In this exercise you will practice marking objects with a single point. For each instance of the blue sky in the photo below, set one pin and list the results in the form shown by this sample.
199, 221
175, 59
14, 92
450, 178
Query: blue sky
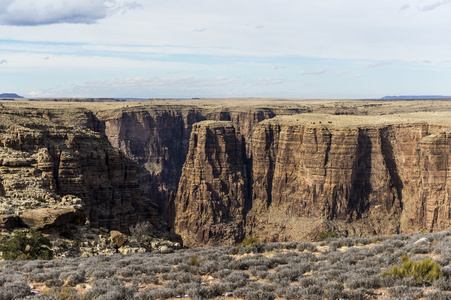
210, 48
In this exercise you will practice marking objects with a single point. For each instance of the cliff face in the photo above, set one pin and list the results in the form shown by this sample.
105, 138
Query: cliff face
213, 187
358, 180
43, 158
157, 140
219, 174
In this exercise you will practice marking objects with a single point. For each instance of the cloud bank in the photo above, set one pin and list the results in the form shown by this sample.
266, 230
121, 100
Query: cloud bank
153, 86
430, 5
45, 12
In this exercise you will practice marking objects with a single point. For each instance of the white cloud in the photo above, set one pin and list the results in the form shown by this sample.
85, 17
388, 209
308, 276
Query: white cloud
44, 12
426, 5
404, 7
3, 61
313, 72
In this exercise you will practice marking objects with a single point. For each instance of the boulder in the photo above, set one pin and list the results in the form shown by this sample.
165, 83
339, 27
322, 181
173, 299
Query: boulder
118, 238
45, 218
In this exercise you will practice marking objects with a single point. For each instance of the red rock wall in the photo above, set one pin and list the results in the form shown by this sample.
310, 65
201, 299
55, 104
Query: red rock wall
213, 188
360, 180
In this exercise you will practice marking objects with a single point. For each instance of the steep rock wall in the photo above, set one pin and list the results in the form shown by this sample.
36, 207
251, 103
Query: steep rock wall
305, 177
47, 155
213, 188
157, 140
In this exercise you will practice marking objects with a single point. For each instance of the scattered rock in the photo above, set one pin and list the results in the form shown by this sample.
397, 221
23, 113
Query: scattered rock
422, 241
118, 238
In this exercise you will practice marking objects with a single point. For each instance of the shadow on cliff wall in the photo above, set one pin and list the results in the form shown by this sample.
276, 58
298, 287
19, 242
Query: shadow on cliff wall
361, 183
395, 180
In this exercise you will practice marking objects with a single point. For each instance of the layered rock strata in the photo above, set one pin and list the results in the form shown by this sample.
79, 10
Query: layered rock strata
46, 155
210, 205
157, 138
307, 176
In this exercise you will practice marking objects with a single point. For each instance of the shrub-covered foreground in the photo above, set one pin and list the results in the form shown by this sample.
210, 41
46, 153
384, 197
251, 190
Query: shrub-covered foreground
346, 268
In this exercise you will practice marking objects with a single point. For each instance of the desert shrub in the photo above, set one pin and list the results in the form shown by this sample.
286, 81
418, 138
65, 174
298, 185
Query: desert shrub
208, 267
393, 243
291, 292
54, 282
425, 270
255, 269
331, 256
181, 277
60, 292
184, 267
146, 294
437, 295
292, 272
113, 293
238, 278
368, 282
249, 245
442, 283
421, 248
306, 247
162, 293
387, 259
313, 290
130, 271
250, 241
112, 288
255, 291
141, 231
145, 279
194, 260
243, 263
14, 290
306, 281
40, 275
222, 274
98, 273
23, 247
220, 288
278, 280
72, 278
159, 268
446, 271
324, 235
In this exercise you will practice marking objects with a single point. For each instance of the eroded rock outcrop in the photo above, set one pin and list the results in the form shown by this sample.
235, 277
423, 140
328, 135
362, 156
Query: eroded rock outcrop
43, 159
213, 188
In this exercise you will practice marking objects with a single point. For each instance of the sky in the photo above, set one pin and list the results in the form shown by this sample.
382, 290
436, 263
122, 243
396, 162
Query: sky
235, 48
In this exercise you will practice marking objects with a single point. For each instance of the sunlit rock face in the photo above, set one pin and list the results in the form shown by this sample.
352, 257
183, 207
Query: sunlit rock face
301, 178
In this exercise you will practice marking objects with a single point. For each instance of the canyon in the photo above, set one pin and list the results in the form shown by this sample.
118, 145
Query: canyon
217, 171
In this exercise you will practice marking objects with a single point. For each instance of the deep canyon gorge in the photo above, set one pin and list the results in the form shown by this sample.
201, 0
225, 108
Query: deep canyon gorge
218, 171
